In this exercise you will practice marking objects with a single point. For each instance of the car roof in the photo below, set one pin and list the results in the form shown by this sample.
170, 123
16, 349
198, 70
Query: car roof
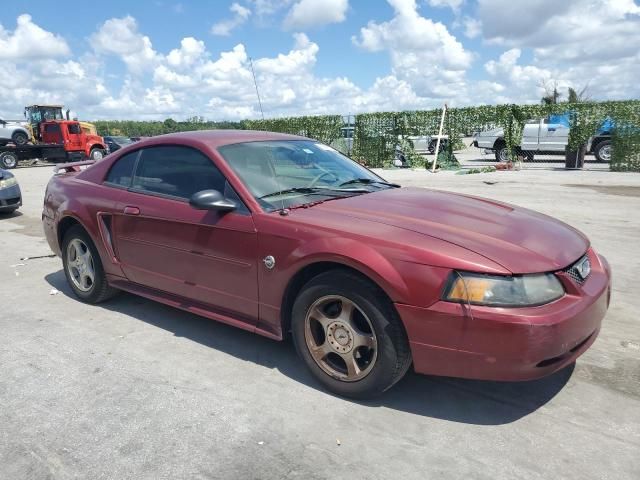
216, 138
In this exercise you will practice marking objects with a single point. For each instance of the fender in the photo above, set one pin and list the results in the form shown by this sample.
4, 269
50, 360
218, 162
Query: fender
349, 252
107, 257
90, 145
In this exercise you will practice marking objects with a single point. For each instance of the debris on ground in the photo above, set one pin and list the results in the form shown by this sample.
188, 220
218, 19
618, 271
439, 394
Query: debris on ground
631, 345
38, 256
338, 441
489, 182
504, 166
477, 170
54, 291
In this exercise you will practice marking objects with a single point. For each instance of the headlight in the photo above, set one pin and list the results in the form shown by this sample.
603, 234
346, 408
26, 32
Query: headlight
8, 182
503, 291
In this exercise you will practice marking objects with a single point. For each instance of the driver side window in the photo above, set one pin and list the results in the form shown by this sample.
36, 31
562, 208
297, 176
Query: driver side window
173, 171
176, 171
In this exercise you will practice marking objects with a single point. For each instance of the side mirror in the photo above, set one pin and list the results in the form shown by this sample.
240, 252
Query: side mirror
211, 200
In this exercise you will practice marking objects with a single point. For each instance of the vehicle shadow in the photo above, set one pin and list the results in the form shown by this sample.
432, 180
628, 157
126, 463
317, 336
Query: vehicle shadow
14, 214
457, 400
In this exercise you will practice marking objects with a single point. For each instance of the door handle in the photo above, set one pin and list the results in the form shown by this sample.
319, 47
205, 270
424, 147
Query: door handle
552, 129
131, 211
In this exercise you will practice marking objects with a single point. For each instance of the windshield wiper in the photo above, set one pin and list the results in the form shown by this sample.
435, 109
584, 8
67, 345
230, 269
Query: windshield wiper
324, 191
368, 181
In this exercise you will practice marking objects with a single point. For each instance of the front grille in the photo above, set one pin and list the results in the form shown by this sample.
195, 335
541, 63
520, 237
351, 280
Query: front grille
574, 270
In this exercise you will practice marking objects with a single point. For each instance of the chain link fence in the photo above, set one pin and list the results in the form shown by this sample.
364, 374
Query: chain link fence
586, 134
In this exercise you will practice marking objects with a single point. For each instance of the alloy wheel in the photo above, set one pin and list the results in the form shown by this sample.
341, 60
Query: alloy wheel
80, 265
340, 338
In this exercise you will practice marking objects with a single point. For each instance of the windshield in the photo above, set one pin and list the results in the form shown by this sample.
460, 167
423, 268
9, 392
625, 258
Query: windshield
122, 140
286, 173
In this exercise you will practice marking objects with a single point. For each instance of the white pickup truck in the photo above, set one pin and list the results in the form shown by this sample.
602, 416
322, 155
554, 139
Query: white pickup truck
548, 135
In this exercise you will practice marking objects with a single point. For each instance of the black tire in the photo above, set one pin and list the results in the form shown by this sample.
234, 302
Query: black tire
501, 152
393, 356
20, 138
432, 146
96, 154
8, 160
602, 151
100, 290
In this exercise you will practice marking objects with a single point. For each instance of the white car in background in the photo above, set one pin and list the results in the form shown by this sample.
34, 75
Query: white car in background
13, 132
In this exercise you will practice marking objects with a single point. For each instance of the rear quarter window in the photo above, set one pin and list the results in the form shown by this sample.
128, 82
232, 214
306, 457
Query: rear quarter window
121, 172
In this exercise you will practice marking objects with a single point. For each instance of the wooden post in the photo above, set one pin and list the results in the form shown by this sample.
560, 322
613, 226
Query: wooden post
437, 152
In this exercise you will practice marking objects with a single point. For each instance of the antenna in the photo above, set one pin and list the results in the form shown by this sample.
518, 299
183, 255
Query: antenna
255, 82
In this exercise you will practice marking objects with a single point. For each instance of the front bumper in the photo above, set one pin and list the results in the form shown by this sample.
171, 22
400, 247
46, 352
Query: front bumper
10, 198
509, 343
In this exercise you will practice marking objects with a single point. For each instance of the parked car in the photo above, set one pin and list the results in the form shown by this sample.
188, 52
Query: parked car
10, 195
115, 143
548, 135
280, 234
13, 132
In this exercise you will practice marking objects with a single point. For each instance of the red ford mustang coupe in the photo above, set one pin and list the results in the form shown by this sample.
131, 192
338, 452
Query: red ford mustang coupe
280, 234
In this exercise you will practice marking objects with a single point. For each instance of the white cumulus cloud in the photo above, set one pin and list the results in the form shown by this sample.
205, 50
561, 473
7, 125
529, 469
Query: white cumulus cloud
120, 37
315, 13
225, 27
30, 41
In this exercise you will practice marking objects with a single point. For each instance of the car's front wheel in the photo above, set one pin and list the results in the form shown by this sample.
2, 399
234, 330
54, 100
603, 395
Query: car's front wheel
349, 335
96, 154
83, 268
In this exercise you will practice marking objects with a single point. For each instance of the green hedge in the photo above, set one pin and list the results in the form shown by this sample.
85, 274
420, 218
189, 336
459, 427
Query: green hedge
131, 128
377, 135
324, 128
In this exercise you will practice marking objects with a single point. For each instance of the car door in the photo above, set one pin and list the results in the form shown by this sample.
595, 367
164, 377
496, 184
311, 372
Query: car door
554, 134
530, 135
74, 135
163, 243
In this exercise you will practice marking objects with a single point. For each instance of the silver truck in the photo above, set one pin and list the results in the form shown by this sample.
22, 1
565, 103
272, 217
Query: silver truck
547, 136
13, 132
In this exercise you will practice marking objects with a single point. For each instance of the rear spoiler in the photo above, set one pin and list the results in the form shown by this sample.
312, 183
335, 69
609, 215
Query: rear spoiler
71, 167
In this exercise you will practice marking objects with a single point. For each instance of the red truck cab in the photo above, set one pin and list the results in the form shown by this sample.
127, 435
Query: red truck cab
69, 134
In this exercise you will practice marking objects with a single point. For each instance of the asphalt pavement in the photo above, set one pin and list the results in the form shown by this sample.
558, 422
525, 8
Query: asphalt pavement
135, 389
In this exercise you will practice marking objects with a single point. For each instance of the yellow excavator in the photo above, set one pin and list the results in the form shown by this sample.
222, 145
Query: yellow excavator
35, 114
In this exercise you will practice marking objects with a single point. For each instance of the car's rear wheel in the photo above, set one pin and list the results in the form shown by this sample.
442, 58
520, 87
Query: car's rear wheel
83, 268
349, 335
20, 138
502, 153
603, 151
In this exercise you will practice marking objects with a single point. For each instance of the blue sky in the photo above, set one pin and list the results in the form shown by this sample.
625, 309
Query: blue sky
311, 56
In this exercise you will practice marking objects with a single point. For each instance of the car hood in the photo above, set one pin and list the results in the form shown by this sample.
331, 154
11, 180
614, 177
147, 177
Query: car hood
520, 240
